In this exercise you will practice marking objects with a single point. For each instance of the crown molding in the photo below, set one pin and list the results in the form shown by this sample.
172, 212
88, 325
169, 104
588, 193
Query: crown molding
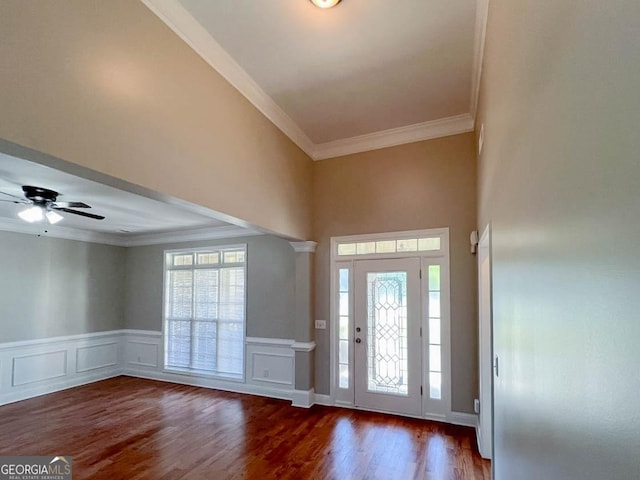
129, 240
178, 19
482, 14
396, 136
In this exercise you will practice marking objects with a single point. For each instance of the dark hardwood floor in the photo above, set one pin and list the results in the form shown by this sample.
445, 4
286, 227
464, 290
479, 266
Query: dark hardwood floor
129, 428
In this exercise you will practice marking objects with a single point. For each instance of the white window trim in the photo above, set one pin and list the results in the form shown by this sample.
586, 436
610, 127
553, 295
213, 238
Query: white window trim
191, 373
432, 409
440, 257
340, 396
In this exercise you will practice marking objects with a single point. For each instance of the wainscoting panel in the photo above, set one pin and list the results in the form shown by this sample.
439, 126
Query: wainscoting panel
95, 357
272, 368
37, 367
270, 361
143, 353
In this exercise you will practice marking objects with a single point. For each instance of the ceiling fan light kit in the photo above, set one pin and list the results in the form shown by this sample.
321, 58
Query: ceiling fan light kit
32, 214
325, 3
36, 214
53, 217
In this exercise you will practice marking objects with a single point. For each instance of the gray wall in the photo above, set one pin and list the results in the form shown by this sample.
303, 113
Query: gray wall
51, 287
559, 180
270, 285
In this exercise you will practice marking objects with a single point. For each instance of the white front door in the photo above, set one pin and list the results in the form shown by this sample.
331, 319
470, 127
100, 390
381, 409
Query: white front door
387, 366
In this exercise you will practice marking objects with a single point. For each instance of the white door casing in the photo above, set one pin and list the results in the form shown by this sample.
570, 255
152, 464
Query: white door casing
485, 348
431, 255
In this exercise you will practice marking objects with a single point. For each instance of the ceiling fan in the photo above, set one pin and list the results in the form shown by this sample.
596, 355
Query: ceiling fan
44, 205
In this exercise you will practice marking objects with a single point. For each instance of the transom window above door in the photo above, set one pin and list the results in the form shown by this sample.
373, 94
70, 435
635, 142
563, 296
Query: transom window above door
399, 243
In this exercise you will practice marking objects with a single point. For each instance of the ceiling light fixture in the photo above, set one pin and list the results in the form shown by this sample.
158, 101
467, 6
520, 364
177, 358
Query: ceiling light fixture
325, 3
32, 214
53, 217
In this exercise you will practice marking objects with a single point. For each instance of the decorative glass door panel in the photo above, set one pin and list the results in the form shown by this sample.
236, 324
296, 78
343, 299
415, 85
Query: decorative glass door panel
387, 335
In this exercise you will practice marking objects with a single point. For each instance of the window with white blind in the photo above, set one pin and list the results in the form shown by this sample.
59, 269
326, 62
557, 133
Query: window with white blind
204, 312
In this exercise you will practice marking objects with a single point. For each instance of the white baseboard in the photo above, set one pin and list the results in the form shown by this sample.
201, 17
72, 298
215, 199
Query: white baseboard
12, 397
455, 418
321, 399
303, 398
463, 419
215, 384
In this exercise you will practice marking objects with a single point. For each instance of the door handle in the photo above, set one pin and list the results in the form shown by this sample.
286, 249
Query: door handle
358, 340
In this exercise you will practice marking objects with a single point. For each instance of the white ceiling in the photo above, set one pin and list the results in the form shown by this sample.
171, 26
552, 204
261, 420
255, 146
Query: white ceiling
363, 67
127, 215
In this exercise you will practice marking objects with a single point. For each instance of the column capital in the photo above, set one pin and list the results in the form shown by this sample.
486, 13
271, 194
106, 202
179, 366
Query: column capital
304, 247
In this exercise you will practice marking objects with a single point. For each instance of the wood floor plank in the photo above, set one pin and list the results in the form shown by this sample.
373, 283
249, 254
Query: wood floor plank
130, 428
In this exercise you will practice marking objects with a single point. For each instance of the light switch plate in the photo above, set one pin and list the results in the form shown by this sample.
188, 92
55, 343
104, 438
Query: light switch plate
321, 324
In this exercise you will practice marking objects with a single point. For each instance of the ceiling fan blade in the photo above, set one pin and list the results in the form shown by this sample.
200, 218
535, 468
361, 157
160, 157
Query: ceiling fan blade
76, 212
15, 201
71, 205
22, 200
